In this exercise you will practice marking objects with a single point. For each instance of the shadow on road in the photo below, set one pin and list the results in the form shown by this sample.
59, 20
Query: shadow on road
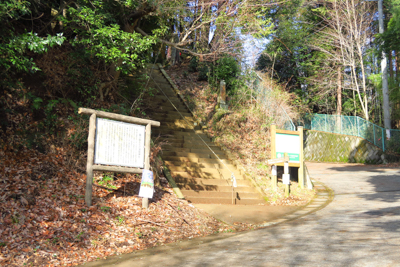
362, 168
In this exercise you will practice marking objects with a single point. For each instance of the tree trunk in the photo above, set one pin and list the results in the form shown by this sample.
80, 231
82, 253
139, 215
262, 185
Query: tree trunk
391, 74
163, 49
397, 63
339, 91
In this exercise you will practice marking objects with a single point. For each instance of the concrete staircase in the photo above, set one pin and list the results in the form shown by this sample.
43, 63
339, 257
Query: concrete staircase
201, 176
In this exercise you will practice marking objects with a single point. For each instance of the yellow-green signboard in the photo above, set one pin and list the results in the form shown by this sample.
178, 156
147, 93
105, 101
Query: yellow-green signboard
290, 142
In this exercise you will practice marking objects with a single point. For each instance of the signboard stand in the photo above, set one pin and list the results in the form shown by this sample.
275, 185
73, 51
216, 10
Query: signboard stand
116, 142
287, 151
274, 177
90, 159
286, 175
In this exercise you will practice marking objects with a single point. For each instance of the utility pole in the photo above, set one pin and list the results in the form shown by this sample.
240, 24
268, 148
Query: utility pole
385, 87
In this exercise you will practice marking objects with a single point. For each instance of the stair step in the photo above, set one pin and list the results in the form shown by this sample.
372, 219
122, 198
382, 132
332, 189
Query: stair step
193, 137
185, 145
226, 201
205, 155
182, 179
179, 125
205, 173
195, 166
171, 113
163, 87
183, 152
186, 120
169, 132
197, 158
209, 163
171, 116
182, 131
178, 121
217, 188
187, 140
163, 106
217, 194
196, 143
159, 97
216, 150
159, 79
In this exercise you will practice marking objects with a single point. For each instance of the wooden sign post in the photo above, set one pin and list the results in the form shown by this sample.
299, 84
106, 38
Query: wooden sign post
286, 175
290, 142
273, 162
118, 140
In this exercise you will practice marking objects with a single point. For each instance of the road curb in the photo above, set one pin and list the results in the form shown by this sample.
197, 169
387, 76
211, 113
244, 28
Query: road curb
324, 195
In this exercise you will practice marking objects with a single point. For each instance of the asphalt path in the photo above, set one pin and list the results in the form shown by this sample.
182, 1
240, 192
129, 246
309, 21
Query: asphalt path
360, 227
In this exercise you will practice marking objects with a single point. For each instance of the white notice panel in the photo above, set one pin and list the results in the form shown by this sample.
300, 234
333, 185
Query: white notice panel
288, 143
285, 178
119, 143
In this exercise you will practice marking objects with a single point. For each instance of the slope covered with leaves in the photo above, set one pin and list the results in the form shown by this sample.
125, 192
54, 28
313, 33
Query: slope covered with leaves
44, 220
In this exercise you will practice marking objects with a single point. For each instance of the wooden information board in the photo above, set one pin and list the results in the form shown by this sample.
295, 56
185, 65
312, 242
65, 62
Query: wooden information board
116, 143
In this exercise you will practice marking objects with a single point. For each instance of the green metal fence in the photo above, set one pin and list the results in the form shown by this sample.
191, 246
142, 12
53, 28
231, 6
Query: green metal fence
356, 126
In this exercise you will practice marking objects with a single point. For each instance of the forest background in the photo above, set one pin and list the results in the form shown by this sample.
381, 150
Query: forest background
326, 52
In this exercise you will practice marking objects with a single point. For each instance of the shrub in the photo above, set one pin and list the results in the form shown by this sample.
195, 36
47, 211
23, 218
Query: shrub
227, 69
193, 64
203, 72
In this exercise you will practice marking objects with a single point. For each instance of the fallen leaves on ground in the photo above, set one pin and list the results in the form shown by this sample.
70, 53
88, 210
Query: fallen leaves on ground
45, 222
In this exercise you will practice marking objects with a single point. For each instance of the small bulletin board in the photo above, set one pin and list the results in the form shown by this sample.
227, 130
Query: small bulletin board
118, 143
290, 142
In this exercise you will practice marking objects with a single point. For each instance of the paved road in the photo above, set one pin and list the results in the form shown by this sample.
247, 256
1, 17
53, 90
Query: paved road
360, 227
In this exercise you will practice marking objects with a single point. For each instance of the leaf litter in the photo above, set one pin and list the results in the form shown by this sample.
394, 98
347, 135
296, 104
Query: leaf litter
44, 220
